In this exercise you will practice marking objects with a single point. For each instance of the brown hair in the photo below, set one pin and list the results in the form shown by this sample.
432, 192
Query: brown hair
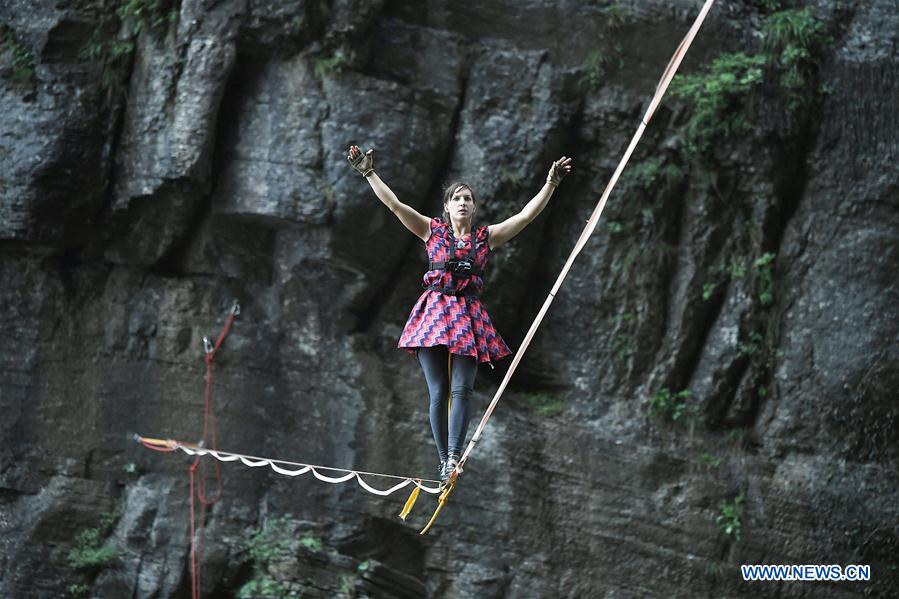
448, 194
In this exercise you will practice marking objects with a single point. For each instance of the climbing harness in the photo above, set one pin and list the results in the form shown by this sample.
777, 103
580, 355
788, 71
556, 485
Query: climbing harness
458, 268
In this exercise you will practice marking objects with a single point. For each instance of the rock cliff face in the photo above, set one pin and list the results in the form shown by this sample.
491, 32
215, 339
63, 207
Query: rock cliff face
160, 161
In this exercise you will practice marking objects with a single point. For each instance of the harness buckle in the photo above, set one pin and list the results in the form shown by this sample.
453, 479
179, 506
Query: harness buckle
461, 267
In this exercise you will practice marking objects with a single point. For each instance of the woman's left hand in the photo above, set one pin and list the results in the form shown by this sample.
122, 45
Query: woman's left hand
558, 170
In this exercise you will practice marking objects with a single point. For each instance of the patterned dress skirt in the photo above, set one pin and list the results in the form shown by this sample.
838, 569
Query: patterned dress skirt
449, 312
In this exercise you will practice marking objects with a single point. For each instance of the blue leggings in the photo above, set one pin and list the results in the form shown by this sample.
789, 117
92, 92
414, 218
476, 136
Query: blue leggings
457, 379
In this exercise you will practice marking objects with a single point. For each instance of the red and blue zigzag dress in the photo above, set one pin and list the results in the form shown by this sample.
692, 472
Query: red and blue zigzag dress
452, 317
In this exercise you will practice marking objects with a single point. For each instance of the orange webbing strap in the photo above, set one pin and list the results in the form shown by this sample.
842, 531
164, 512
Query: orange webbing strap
156, 444
410, 502
667, 76
441, 501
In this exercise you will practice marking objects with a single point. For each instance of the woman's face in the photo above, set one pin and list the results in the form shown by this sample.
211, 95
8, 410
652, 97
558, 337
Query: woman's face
461, 204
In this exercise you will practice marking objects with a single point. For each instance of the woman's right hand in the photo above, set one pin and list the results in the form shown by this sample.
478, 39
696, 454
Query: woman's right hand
558, 170
364, 163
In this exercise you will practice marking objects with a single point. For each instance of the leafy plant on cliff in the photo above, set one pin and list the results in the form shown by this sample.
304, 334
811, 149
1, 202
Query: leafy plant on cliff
138, 14
543, 404
652, 174
333, 64
600, 59
751, 346
264, 587
719, 96
111, 53
794, 41
624, 341
91, 552
764, 267
20, 58
671, 405
730, 517
595, 68
268, 543
265, 545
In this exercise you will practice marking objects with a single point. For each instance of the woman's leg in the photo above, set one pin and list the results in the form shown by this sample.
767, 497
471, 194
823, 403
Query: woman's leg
433, 364
464, 369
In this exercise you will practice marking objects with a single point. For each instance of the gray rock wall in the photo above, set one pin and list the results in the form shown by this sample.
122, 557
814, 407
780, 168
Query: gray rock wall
144, 191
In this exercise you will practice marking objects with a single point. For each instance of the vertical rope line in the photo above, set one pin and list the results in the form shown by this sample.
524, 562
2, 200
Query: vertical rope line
667, 76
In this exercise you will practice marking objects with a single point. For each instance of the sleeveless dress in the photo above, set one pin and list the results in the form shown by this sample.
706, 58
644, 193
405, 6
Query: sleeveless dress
453, 317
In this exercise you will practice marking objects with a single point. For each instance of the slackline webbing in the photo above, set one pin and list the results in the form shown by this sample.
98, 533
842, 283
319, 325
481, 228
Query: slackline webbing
299, 467
667, 76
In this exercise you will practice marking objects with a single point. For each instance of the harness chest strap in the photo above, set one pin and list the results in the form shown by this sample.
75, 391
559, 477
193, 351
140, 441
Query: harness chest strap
457, 268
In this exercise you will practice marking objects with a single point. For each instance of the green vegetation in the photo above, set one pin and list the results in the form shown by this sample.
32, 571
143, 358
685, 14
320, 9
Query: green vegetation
543, 404
268, 543
730, 515
674, 406
138, 14
20, 57
77, 590
710, 460
599, 60
90, 552
617, 15
595, 68
764, 266
719, 97
510, 176
311, 543
793, 42
135, 16
750, 347
768, 5
264, 587
735, 269
347, 583
615, 227
328, 66
625, 317
707, 290
652, 173
624, 342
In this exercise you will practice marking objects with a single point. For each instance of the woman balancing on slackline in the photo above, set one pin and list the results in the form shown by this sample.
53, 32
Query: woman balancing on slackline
449, 321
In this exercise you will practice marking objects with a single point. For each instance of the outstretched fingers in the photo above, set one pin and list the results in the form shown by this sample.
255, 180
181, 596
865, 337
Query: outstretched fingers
565, 163
355, 150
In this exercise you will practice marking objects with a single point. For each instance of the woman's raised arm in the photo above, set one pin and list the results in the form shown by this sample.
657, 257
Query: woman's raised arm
417, 223
512, 226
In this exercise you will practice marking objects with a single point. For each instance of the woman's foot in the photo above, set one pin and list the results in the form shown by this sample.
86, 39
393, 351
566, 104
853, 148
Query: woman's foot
442, 472
452, 460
